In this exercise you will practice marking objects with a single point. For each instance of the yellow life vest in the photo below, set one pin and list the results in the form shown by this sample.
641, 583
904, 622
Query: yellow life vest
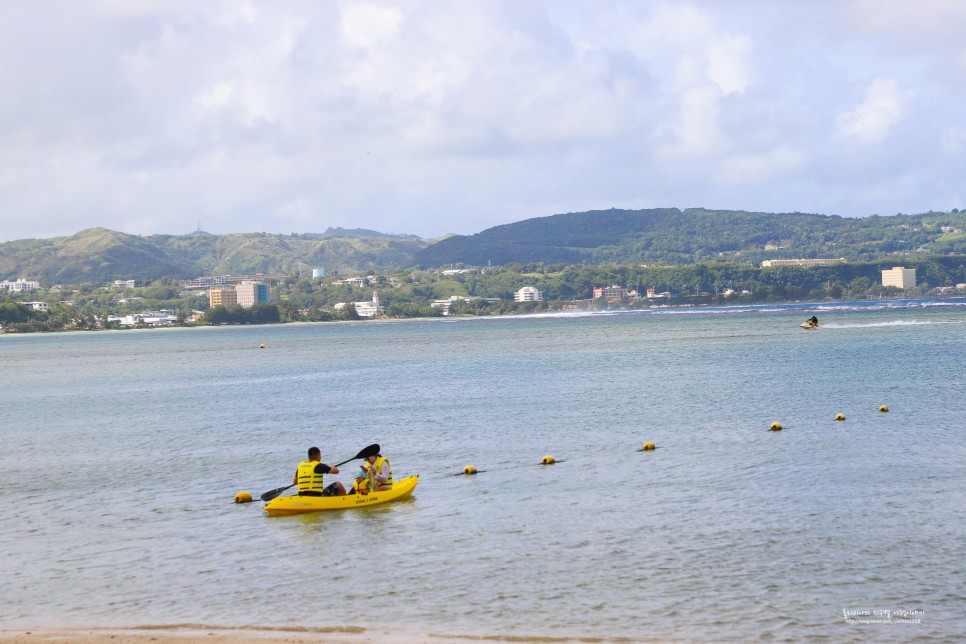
309, 480
377, 469
363, 484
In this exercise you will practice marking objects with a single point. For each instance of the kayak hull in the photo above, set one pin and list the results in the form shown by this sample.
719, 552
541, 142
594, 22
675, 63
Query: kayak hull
289, 505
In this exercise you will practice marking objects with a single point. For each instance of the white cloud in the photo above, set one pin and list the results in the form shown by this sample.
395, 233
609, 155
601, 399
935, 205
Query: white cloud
433, 117
953, 141
218, 96
873, 119
728, 66
366, 25
752, 169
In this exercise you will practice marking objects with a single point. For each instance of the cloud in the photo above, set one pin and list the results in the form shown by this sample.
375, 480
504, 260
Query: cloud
874, 118
770, 165
365, 25
429, 117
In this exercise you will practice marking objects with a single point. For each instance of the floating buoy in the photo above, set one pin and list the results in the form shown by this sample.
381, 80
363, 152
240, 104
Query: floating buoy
775, 427
648, 447
262, 346
469, 469
548, 460
839, 416
883, 409
243, 497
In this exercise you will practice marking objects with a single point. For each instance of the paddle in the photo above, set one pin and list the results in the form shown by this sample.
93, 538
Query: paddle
366, 452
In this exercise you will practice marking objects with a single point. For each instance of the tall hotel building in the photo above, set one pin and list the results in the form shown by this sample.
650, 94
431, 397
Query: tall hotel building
251, 293
900, 277
223, 296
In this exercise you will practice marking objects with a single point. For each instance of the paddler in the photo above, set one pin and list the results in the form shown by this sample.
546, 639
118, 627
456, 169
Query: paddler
380, 473
308, 476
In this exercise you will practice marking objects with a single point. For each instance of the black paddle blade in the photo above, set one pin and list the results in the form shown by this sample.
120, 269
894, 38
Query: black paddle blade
366, 452
271, 494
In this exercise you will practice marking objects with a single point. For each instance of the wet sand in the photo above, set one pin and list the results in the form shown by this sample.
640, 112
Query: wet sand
192, 634
197, 634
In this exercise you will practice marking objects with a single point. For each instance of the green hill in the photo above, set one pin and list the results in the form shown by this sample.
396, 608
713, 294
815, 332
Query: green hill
98, 255
672, 236
664, 236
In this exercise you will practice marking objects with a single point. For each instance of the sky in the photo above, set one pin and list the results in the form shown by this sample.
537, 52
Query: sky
429, 117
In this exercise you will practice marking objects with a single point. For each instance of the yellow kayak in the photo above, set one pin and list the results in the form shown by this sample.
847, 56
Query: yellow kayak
286, 505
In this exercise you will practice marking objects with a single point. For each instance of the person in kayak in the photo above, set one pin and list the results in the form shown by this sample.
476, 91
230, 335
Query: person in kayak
380, 473
362, 483
308, 476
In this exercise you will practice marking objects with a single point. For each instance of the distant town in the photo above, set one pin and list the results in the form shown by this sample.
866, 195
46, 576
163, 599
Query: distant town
264, 298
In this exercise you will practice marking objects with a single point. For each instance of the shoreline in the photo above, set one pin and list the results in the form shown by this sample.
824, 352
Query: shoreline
198, 633
959, 299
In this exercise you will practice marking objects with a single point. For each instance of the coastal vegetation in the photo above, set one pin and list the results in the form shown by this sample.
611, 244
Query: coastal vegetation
684, 258
484, 291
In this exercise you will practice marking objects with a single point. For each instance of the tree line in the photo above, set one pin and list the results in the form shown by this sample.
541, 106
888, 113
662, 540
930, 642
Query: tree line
484, 291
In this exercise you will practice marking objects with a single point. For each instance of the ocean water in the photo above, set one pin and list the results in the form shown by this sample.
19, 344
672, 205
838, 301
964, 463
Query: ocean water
122, 453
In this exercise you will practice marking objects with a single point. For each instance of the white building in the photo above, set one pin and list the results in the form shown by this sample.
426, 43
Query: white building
149, 318
453, 299
38, 306
772, 263
123, 283
369, 309
528, 294
899, 277
20, 285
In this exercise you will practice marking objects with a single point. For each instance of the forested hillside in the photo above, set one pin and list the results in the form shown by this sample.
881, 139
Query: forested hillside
98, 255
655, 237
672, 236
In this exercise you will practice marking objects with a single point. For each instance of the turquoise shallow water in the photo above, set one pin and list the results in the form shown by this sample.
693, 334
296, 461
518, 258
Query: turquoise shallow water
123, 452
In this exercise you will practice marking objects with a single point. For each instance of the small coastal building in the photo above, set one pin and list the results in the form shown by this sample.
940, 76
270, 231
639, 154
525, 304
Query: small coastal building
369, 309
610, 292
899, 277
148, 318
528, 294
453, 299
38, 306
124, 283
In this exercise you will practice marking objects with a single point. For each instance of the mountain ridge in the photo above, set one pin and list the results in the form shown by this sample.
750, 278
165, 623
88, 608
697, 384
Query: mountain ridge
650, 236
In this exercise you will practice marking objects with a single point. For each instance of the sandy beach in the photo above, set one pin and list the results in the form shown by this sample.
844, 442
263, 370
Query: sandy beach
185, 635
197, 634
